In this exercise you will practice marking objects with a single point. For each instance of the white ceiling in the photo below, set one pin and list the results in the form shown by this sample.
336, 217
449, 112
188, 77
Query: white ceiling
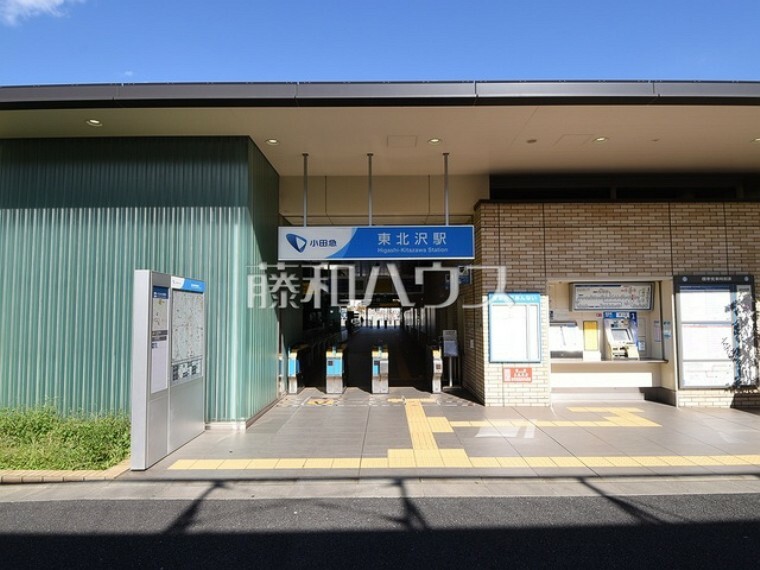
480, 139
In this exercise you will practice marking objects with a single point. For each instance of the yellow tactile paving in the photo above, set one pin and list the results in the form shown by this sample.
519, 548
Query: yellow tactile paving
484, 462
753, 459
596, 462
677, 461
440, 425
262, 463
539, 462
512, 462
455, 458
374, 463
234, 464
730, 460
623, 461
402, 458
409, 458
704, 460
290, 463
206, 464
429, 462
621, 417
346, 463
567, 462
318, 463
419, 425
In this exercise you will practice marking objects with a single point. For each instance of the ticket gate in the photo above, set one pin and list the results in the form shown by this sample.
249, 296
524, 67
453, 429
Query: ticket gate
335, 369
380, 369
294, 367
435, 368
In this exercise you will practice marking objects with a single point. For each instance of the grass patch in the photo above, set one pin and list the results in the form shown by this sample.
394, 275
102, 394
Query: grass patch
41, 438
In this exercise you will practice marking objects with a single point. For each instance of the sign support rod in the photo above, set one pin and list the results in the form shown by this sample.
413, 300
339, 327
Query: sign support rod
446, 186
369, 185
305, 188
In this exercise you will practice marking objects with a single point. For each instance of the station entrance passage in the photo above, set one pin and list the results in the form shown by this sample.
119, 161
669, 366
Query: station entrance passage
406, 358
406, 362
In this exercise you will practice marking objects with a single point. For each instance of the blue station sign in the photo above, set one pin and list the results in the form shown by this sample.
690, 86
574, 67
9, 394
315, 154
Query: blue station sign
375, 243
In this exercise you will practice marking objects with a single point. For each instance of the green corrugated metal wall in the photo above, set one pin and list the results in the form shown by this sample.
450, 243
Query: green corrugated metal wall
77, 217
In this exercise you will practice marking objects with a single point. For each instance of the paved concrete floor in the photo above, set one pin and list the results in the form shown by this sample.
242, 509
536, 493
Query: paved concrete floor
413, 434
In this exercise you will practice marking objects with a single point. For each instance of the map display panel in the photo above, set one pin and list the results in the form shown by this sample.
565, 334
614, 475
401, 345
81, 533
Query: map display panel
188, 336
612, 296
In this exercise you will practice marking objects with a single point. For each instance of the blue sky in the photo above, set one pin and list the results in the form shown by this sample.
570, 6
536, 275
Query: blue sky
125, 41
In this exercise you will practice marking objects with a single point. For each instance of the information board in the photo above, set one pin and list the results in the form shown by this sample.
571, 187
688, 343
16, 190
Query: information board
188, 336
168, 346
612, 296
159, 339
715, 331
514, 327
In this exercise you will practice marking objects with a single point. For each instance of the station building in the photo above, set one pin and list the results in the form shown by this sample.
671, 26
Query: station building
615, 230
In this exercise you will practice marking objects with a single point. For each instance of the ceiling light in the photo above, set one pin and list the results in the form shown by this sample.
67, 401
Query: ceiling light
94, 123
600, 139
757, 140
272, 142
531, 141
434, 141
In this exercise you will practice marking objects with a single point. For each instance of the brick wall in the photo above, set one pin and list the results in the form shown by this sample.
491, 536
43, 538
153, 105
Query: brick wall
539, 242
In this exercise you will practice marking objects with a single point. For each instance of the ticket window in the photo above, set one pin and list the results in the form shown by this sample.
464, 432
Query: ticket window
566, 340
621, 341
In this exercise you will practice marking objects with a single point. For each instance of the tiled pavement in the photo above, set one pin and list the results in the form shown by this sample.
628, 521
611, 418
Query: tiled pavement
415, 434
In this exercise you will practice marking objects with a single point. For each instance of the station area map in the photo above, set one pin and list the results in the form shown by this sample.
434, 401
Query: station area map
188, 321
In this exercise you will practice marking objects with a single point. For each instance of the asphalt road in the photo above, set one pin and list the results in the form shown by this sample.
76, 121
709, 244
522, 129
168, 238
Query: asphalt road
695, 531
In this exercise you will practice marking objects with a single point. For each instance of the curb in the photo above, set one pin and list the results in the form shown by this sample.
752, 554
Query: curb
16, 476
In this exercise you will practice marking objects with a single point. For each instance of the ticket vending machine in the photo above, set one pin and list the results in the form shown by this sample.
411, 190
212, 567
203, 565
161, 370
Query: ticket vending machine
621, 336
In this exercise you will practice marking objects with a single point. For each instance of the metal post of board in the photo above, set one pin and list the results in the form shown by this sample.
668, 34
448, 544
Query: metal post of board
369, 185
450, 351
305, 188
446, 186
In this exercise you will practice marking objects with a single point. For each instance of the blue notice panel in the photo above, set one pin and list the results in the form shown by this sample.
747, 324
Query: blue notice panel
376, 242
185, 284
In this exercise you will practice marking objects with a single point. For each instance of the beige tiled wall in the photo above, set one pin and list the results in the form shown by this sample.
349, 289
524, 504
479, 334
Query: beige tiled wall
537, 242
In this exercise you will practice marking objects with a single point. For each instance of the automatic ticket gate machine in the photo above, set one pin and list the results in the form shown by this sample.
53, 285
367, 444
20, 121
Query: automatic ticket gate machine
335, 369
621, 336
380, 369
435, 368
294, 367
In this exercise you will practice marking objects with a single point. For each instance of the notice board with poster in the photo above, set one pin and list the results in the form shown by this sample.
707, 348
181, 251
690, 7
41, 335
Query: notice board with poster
716, 330
514, 327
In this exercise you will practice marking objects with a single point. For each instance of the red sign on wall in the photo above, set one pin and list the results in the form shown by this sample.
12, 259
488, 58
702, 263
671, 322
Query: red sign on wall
518, 375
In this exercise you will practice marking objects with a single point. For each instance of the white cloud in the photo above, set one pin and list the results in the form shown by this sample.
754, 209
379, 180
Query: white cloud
13, 11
